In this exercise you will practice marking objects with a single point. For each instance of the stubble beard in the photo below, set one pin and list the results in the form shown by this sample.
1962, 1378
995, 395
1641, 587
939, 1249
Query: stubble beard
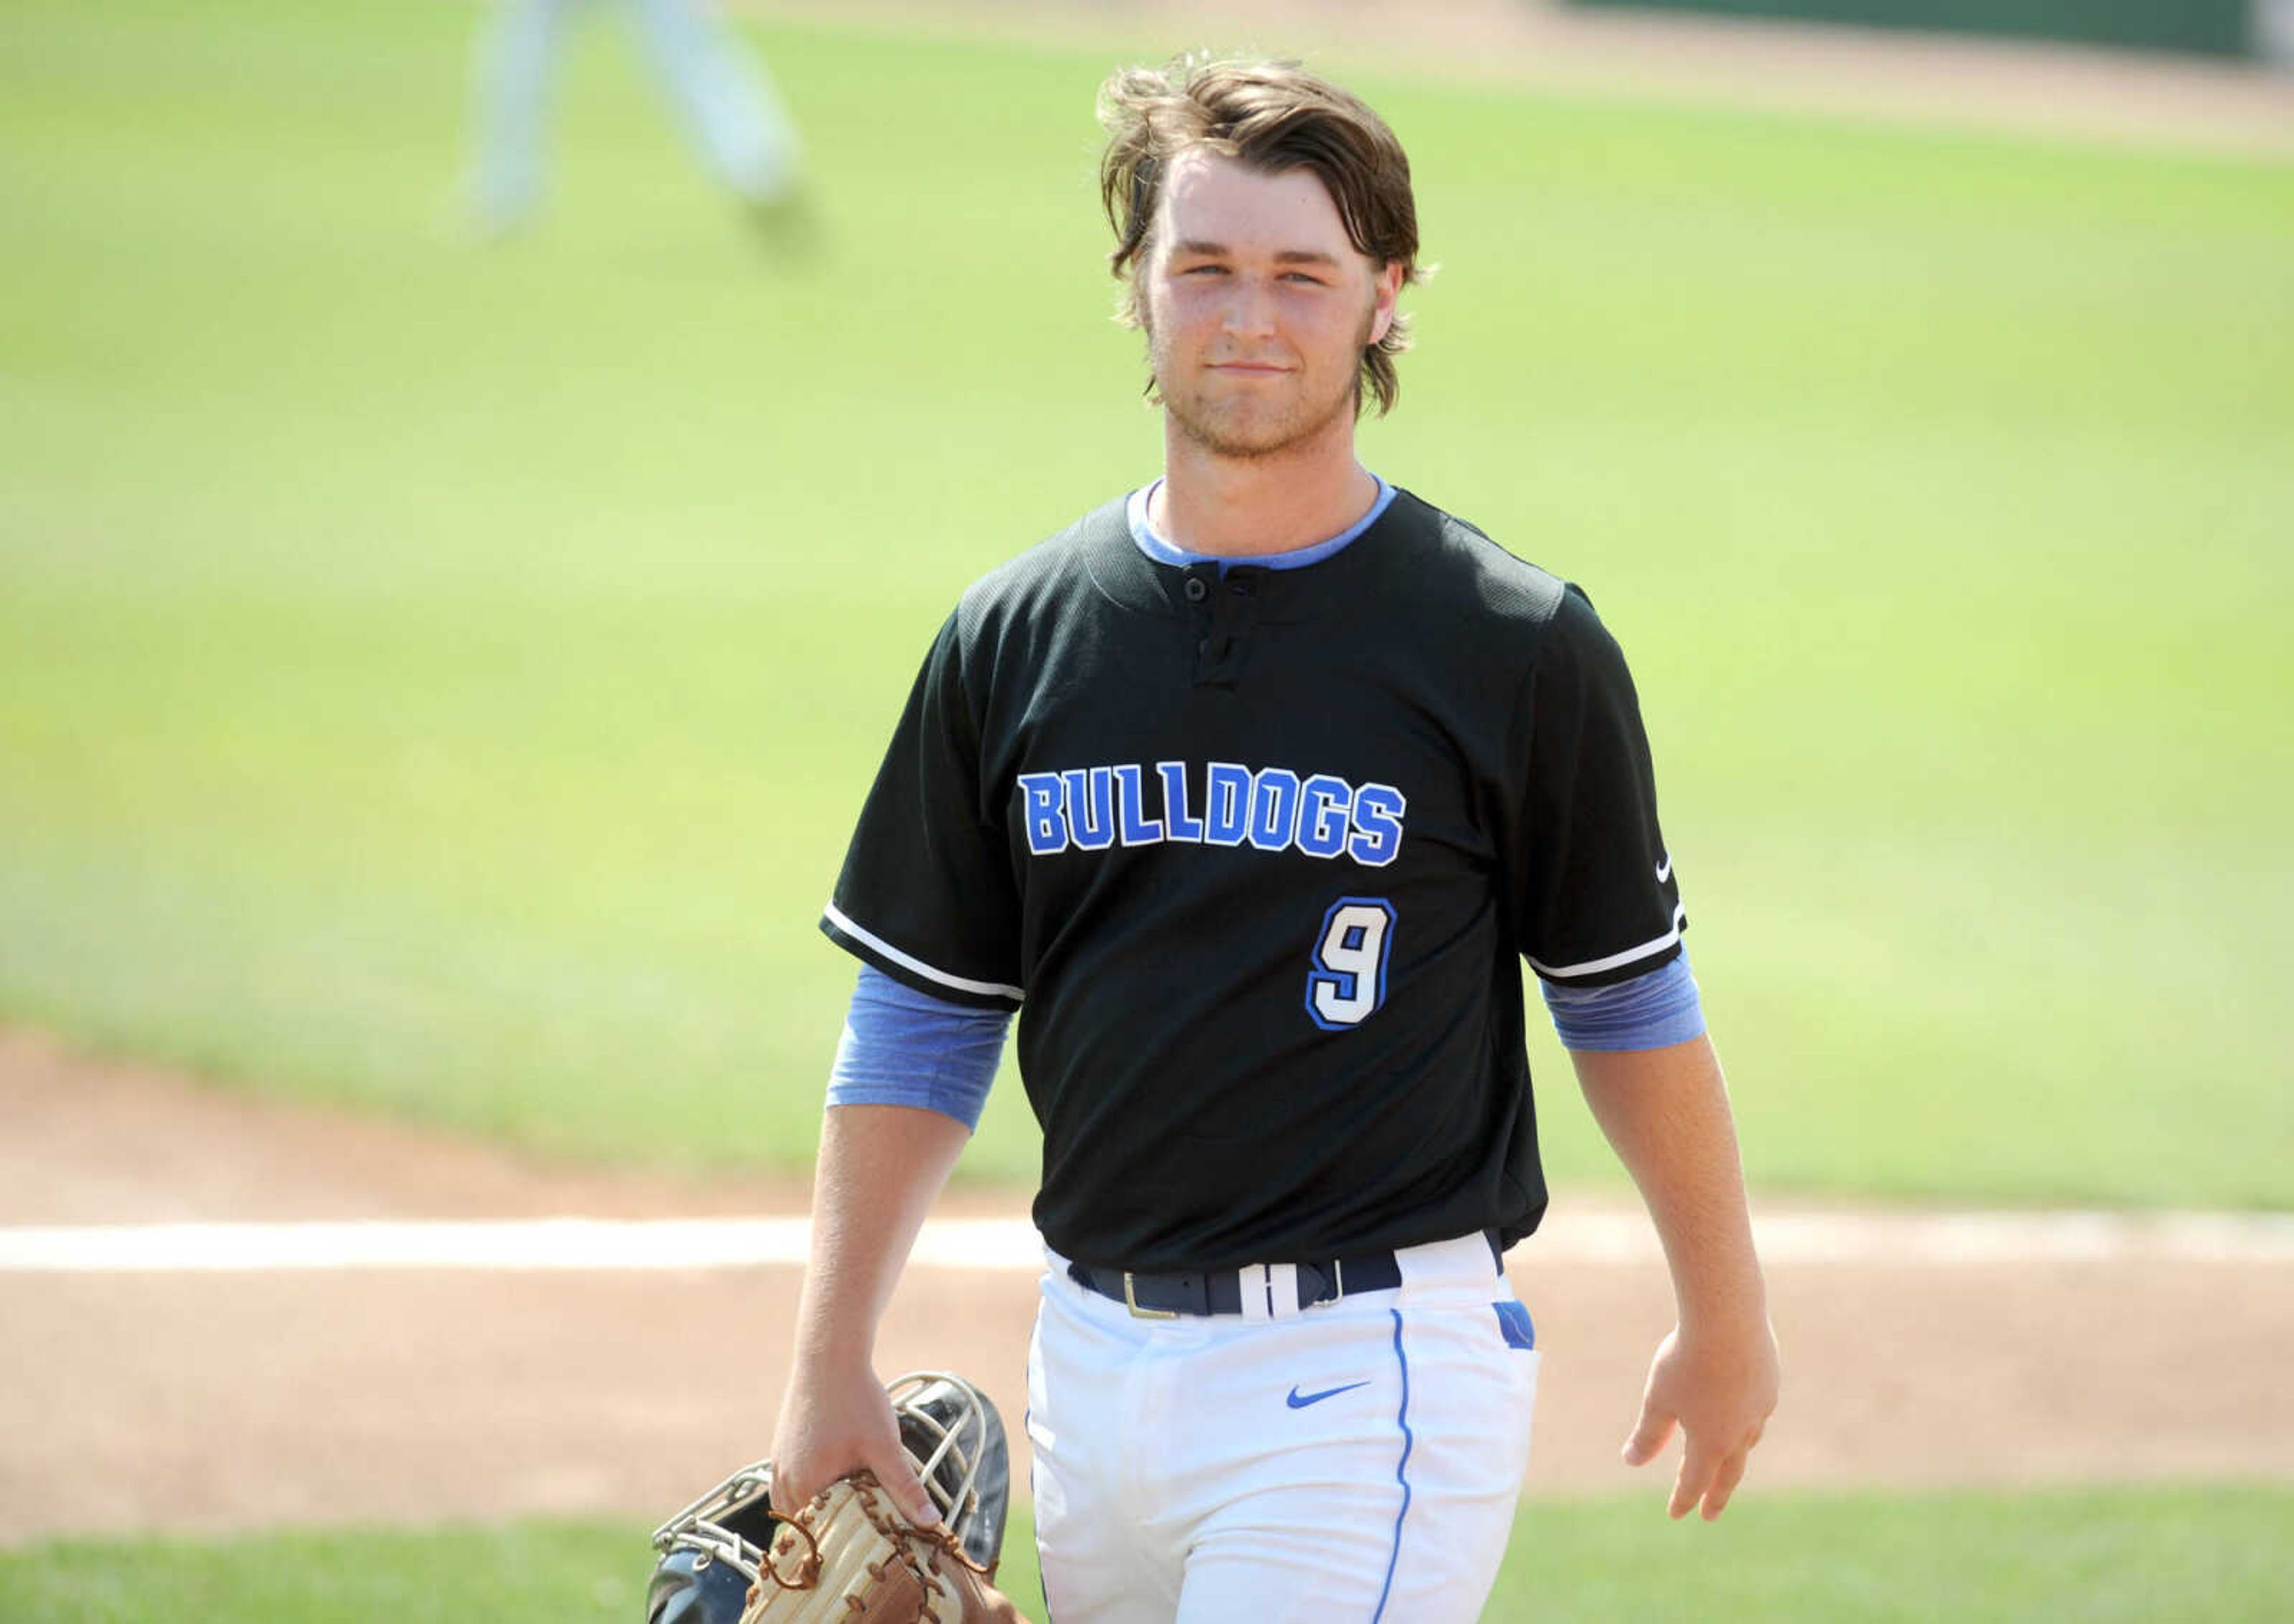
1233, 430
1240, 431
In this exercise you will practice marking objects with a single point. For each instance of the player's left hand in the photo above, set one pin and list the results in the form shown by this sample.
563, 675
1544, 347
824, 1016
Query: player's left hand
1718, 1385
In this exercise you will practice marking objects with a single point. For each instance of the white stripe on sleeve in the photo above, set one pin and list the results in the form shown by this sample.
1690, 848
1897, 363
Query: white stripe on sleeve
909, 962
1595, 966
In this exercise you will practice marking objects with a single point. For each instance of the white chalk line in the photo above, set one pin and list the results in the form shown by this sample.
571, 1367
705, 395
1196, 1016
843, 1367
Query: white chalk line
1010, 1245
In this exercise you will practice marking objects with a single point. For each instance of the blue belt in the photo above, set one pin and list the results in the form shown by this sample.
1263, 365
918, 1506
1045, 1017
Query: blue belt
1167, 1296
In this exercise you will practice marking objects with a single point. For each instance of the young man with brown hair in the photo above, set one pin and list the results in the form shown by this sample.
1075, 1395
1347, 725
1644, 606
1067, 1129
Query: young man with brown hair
1249, 791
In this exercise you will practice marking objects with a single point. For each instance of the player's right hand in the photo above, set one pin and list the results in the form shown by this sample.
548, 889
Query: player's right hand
836, 1422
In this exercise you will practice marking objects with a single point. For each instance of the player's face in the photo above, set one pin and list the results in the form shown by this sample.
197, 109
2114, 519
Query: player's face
1257, 307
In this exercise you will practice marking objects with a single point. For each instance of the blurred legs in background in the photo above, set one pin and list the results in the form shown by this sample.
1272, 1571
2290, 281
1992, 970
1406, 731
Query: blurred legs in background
2274, 31
722, 97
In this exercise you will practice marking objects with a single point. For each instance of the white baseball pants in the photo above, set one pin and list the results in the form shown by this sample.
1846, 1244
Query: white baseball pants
1352, 1463
722, 96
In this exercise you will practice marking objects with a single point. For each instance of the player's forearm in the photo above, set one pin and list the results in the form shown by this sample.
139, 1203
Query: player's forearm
880, 1168
1665, 1112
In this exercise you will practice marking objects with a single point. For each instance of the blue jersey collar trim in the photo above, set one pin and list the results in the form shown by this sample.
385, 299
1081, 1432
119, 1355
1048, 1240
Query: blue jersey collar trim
1155, 547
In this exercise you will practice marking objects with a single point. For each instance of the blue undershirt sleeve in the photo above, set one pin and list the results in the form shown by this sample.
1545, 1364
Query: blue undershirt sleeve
1650, 1011
904, 1047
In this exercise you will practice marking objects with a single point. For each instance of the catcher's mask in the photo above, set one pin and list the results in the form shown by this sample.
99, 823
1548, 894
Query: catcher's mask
713, 1550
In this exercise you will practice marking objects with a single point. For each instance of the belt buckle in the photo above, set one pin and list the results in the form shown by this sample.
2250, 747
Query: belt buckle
1131, 1301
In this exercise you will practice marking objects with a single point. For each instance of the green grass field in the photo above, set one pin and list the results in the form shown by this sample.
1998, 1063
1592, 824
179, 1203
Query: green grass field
441, 680
2127, 1556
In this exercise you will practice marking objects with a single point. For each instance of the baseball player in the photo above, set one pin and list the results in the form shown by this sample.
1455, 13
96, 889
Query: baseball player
1248, 793
721, 96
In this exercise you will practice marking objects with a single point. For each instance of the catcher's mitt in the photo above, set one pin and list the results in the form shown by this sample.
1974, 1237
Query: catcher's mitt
850, 1558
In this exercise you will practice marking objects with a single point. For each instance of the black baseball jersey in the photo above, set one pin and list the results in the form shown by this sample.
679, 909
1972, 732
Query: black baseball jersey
1255, 857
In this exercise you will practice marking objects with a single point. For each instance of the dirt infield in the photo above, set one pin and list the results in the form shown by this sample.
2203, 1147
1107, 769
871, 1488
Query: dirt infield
212, 1401
2083, 92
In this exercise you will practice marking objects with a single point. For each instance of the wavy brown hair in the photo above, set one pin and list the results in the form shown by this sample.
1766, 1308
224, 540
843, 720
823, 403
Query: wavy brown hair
1273, 117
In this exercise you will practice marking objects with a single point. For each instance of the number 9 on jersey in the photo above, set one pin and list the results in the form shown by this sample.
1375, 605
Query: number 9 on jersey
1348, 982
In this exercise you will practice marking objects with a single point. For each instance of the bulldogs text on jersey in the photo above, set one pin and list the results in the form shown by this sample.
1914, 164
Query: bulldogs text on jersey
1091, 808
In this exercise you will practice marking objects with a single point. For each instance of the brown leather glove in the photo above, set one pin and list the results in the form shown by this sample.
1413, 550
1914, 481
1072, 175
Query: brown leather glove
850, 1558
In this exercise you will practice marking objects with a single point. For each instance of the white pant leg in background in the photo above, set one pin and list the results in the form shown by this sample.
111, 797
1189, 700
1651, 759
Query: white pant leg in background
723, 97
512, 70
1359, 1461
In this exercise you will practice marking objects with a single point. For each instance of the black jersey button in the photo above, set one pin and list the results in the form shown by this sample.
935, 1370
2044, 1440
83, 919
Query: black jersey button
1196, 590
